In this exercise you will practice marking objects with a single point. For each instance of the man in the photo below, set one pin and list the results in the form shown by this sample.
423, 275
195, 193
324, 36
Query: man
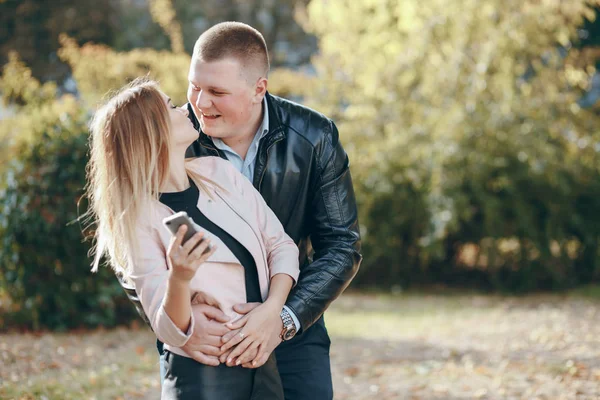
293, 157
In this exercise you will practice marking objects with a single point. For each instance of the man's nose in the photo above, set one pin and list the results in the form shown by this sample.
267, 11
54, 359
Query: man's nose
202, 101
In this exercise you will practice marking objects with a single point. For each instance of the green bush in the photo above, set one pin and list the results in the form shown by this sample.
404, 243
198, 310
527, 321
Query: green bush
473, 161
45, 273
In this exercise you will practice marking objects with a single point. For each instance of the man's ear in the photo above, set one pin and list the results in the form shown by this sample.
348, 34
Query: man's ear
260, 89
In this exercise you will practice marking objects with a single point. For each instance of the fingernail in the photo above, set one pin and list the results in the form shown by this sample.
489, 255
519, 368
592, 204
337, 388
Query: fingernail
228, 360
238, 362
253, 362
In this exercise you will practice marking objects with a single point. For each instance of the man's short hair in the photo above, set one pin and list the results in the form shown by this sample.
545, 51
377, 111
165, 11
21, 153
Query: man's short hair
234, 40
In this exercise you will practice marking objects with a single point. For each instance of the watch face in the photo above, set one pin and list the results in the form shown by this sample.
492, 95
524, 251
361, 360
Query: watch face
289, 334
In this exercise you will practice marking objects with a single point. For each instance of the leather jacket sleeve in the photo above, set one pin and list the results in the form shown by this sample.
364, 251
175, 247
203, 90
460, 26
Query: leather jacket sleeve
334, 235
133, 297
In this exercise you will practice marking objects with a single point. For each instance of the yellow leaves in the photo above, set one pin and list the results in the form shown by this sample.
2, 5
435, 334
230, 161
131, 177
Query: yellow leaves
406, 78
589, 13
288, 83
163, 13
576, 77
563, 37
591, 70
402, 67
407, 17
359, 112
99, 69
18, 86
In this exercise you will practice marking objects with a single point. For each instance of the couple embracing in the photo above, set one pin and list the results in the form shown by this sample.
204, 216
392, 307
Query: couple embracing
237, 308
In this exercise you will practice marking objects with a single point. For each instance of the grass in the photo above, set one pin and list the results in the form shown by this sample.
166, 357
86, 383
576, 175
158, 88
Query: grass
403, 346
588, 291
117, 364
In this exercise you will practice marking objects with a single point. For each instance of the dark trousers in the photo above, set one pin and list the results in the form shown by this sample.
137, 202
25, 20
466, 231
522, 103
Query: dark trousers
304, 365
186, 379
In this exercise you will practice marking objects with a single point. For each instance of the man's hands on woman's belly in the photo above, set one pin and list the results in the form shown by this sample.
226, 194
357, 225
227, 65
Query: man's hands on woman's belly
205, 343
214, 341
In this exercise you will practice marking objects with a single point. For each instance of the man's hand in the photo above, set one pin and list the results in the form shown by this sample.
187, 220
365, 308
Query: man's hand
204, 345
244, 349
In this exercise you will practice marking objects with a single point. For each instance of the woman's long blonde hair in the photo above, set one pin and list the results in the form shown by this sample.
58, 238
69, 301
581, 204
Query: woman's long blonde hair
129, 161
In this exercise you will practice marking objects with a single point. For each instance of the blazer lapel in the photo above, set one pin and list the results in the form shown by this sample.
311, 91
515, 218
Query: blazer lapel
231, 221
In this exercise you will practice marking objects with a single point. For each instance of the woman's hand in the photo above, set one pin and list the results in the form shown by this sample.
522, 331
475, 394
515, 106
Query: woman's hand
185, 260
249, 335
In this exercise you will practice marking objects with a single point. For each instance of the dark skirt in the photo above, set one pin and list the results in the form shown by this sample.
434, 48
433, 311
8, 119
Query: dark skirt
187, 379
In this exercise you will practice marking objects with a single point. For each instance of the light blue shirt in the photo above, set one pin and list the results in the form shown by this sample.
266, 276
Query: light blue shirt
246, 166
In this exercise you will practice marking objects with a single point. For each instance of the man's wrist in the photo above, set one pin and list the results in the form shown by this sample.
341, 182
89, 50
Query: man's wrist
289, 327
294, 317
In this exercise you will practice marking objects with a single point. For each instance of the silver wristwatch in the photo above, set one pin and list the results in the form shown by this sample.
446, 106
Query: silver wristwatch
289, 328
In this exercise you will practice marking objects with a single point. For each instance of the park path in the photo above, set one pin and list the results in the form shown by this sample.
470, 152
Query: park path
468, 347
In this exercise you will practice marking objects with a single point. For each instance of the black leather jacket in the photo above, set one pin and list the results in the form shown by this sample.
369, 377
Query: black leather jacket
303, 174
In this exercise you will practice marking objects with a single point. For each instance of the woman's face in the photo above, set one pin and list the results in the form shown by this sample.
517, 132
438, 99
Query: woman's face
182, 131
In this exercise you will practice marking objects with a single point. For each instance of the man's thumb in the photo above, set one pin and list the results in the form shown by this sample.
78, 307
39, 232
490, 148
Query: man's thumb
245, 308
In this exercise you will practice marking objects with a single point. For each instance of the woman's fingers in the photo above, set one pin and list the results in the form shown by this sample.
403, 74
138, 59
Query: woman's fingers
250, 353
259, 355
235, 326
240, 323
176, 239
257, 362
192, 242
229, 335
207, 253
199, 250
225, 356
179, 235
233, 339
240, 348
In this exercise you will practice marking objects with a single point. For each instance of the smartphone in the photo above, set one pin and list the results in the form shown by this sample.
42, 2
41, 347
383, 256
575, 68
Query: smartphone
174, 221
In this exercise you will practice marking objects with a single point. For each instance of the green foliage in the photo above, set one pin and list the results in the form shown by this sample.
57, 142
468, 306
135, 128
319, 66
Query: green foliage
32, 107
45, 278
97, 69
163, 13
472, 110
472, 160
31, 28
44, 264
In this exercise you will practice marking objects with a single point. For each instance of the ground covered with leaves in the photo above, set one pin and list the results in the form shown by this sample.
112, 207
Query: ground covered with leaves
385, 347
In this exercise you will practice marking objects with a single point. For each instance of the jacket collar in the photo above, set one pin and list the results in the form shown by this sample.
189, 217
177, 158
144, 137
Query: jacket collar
275, 125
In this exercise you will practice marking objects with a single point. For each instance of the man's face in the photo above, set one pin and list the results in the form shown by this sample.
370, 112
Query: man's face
222, 98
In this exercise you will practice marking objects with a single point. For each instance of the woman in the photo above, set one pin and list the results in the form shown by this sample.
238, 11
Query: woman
137, 176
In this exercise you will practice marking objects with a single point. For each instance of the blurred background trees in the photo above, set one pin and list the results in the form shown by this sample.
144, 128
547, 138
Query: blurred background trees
471, 128
471, 153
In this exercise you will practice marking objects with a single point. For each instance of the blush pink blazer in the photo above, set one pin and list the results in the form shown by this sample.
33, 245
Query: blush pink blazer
241, 211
